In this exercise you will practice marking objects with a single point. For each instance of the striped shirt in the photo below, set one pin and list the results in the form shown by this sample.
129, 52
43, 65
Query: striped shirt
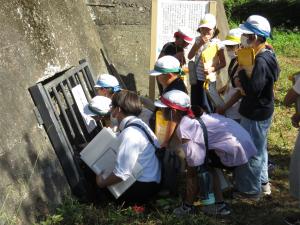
200, 65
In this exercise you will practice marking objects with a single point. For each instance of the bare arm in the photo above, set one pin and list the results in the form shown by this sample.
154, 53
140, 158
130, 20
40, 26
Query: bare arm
169, 132
222, 61
198, 43
234, 98
193, 51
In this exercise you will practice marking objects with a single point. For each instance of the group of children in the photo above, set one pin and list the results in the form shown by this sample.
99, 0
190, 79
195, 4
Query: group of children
231, 136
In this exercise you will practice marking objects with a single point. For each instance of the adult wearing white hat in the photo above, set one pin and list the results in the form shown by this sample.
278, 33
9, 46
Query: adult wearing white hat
231, 94
257, 105
208, 37
106, 85
229, 147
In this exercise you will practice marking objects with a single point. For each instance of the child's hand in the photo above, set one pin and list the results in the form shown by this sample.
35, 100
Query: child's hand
237, 82
99, 180
201, 41
208, 70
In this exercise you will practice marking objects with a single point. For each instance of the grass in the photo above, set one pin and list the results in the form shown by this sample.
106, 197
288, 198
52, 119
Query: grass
269, 210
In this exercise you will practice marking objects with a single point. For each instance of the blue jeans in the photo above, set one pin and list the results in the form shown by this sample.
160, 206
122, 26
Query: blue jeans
250, 176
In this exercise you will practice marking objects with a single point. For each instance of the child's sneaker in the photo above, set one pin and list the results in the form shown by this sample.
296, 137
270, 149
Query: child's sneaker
221, 209
184, 209
266, 188
245, 196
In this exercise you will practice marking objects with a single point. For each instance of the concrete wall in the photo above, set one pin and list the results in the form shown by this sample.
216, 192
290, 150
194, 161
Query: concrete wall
125, 27
37, 38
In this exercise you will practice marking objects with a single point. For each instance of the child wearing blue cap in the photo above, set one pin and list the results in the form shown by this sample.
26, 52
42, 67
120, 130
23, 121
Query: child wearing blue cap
106, 85
257, 105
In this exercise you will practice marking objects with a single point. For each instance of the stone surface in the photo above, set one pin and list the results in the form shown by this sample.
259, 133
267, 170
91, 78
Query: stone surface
37, 37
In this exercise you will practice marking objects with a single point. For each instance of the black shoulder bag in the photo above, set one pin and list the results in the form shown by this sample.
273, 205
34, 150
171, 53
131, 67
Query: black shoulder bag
205, 134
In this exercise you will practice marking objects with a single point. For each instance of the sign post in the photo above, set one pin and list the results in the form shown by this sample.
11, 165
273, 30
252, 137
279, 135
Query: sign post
167, 17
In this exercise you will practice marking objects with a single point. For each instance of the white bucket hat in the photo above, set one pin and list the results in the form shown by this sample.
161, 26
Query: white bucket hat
99, 105
256, 25
107, 81
209, 21
185, 34
166, 64
175, 99
233, 37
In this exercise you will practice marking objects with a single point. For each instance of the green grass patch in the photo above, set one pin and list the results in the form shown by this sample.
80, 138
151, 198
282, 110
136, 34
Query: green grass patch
286, 43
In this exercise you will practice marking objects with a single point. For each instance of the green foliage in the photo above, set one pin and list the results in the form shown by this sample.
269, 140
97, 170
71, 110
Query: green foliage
53, 220
286, 43
280, 13
230, 5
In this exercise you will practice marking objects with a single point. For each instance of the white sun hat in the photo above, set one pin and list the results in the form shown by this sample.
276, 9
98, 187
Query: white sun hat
173, 98
107, 81
185, 34
209, 21
99, 105
166, 64
233, 37
258, 25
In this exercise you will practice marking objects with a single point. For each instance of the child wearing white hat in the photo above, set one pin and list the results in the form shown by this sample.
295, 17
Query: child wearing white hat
231, 94
229, 146
106, 85
166, 70
99, 106
208, 32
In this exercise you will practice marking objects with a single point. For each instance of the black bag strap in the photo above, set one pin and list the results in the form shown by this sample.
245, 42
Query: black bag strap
144, 130
205, 134
159, 152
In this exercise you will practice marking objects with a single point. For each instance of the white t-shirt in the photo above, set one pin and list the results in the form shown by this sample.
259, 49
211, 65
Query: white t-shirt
135, 147
200, 65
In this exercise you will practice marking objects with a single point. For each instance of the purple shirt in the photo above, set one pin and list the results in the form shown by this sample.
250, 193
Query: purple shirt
231, 142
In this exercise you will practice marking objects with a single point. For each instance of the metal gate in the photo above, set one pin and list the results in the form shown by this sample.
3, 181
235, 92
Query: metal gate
57, 111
